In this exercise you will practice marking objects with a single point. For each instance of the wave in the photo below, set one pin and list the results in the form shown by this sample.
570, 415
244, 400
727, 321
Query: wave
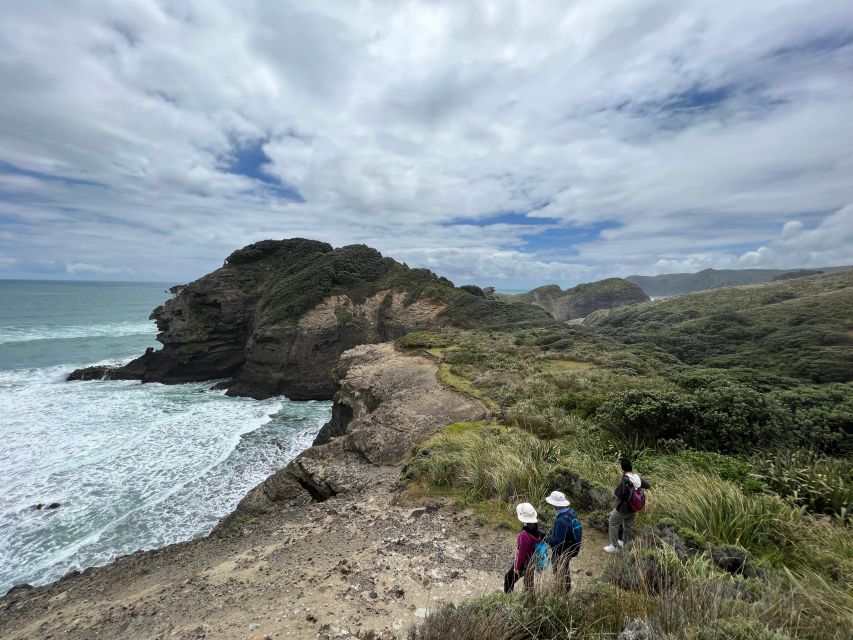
134, 466
10, 335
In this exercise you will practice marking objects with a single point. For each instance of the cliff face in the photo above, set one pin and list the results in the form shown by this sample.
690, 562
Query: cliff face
582, 300
274, 319
386, 403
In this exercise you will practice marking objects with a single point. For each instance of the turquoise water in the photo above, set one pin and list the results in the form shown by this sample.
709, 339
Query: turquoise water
133, 466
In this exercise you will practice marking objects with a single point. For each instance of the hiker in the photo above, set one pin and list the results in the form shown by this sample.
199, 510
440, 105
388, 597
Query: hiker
528, 538
565, 537
630, 499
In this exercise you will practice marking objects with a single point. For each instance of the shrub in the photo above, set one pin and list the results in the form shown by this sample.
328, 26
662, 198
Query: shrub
820, 484
731, 419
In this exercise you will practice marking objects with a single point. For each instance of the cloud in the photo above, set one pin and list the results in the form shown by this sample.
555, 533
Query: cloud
85, 267
154, 138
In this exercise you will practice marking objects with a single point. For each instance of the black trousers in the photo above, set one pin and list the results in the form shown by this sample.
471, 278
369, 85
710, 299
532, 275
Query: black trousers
512, 577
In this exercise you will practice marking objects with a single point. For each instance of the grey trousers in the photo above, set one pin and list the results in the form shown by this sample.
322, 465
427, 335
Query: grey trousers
623, 520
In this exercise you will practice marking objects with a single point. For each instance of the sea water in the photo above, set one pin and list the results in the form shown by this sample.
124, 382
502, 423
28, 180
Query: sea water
132, 466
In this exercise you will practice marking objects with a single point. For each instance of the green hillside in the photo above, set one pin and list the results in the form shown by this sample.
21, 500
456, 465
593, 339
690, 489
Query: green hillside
801, 328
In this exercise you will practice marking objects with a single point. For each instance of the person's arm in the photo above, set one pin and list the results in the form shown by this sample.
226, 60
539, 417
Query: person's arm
558, 533
621, 491
523, 552
644, 484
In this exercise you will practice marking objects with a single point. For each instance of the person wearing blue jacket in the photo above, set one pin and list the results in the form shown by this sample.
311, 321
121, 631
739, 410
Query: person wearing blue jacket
564, 538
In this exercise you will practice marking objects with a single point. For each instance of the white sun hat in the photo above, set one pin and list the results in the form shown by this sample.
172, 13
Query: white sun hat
557, 499
526, 513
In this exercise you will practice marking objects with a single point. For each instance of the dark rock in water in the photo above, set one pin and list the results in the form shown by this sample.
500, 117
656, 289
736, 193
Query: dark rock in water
42, 505
276, 317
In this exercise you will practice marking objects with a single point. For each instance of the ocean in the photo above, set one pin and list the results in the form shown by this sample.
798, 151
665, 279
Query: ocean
132, 466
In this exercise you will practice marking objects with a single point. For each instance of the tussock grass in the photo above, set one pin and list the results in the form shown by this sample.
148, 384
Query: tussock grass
485, 462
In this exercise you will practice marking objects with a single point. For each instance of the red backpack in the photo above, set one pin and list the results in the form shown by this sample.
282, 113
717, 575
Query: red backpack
636, 498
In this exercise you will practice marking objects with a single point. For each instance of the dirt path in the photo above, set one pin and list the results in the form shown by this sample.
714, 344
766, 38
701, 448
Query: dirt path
351, 565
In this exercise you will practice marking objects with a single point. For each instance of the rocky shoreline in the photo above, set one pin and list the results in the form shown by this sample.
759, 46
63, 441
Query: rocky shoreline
327, 546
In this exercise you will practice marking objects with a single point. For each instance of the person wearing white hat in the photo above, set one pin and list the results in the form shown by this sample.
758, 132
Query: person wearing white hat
565, 537
528, 538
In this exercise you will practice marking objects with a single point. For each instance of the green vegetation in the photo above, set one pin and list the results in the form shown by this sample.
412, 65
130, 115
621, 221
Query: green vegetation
580, 301
747, 530
800, 328
292, 276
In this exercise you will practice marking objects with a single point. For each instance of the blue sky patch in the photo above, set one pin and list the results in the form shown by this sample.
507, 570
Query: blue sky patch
506, 217
248, 159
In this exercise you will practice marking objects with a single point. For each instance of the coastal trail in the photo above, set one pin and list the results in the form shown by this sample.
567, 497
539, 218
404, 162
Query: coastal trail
354, 565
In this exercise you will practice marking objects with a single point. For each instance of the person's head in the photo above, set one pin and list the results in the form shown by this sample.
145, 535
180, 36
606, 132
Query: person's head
526, 513
625, 464
558, 500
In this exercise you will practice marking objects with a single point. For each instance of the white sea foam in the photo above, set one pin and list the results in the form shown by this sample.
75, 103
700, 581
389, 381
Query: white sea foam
133, 466
12, 334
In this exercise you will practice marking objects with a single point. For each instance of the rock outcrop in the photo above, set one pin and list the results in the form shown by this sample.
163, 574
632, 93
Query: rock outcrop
584, 299
276, 317
387, 402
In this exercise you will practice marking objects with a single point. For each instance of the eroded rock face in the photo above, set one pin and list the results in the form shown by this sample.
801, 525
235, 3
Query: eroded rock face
297, 360
584, 299
387, 402
263, 321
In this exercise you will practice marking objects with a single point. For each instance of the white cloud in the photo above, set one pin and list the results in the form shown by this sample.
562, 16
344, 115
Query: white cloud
85, 267
691, 132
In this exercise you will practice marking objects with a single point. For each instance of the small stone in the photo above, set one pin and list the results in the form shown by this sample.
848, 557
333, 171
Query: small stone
311, 617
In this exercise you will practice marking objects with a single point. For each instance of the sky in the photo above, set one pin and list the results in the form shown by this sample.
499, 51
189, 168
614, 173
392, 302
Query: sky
499, 143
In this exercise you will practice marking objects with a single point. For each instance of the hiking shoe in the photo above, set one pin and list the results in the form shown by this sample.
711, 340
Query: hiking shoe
611, 549
621, 544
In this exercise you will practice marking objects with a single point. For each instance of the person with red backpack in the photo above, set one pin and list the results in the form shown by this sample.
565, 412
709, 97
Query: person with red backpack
630, 498
528, 538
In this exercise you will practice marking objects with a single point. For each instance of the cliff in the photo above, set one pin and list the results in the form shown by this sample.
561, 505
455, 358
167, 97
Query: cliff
584, 299
276, 317
328, 548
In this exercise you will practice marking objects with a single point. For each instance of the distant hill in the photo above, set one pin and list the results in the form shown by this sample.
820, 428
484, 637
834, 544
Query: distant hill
676, 284
801, 328
580, 301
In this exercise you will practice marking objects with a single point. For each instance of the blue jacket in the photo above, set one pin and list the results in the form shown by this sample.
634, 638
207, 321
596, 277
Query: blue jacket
562, 539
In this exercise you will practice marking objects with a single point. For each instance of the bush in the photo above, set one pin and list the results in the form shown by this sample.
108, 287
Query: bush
730, 419
820, 484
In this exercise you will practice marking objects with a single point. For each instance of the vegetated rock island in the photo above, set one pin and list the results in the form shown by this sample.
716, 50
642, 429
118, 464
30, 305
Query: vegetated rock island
580, 301
330, 545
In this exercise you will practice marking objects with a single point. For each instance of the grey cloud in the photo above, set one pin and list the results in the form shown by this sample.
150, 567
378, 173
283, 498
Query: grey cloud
690, 128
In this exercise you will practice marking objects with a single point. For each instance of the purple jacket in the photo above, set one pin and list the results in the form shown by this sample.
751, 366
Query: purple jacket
526, 546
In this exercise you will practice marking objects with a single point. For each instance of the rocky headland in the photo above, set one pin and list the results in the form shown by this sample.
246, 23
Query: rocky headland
276, 317
580, 301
